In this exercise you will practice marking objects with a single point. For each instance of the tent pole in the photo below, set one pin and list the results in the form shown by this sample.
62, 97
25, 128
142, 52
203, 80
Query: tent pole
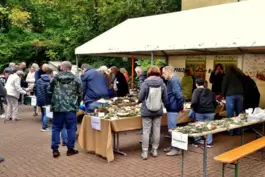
132, 86
152, 58
76, 62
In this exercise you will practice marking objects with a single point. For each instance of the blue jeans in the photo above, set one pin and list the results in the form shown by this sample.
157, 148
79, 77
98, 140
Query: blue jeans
234, 104
59, 119
172, 122
64, 135
44, 119
205, 118
90, 107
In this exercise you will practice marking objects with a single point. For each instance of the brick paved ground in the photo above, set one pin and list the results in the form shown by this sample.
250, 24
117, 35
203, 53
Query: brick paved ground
27, 153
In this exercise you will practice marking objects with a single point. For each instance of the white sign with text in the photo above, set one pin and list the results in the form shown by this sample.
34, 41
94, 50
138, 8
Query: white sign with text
179, 140
95, 123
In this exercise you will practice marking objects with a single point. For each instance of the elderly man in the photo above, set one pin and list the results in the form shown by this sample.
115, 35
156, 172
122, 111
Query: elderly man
66, 92
23, 66
120, 84
95, 87
174, 104
14, 90
41, 71
141, 76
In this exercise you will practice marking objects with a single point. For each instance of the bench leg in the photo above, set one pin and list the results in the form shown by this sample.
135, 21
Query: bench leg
236, 169
223, 171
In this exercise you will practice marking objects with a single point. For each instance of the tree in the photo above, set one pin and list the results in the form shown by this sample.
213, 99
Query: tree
43, 30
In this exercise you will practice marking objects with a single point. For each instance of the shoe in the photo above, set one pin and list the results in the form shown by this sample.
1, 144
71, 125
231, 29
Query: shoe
195, 145
173, 152
56, 154
168, 149
209, 145
45, 130
144, 155
72, 152
154, 153
35, 114
2, 159
2, 116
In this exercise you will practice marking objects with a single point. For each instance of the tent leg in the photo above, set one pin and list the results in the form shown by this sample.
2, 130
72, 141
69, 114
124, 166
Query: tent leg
132, 86
152, 58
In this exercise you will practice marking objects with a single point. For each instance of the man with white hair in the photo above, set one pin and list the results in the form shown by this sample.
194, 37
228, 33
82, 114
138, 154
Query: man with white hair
14, 90
41, 71
174, 104
141, 76
65, 91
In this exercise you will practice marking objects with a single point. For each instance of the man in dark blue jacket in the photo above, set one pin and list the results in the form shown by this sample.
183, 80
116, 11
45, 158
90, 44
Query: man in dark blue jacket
174, 104
42, 95
95, 87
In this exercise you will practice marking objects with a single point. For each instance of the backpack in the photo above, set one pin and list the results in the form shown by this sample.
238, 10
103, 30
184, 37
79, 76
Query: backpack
154, 99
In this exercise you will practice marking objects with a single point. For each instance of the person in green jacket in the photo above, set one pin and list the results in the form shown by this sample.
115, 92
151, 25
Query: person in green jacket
187, 84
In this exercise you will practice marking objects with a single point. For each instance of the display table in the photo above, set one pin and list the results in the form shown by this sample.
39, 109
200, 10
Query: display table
106, 141
101, 142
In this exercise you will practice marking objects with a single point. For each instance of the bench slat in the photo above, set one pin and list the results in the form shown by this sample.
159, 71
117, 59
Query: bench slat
242, 151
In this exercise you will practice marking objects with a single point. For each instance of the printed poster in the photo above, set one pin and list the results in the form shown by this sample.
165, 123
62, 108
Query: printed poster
225, 60
197, 64
254, 66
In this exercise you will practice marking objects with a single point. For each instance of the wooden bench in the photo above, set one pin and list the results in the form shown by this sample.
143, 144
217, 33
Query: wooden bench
233, 156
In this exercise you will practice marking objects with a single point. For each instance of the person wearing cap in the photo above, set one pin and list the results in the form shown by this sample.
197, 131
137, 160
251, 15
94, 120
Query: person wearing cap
203, 103
95, 87
14, 90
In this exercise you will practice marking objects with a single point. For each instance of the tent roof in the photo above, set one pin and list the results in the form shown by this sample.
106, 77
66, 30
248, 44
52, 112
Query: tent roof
223, 29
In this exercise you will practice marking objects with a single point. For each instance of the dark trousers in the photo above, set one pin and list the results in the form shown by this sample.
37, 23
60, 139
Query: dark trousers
59, 119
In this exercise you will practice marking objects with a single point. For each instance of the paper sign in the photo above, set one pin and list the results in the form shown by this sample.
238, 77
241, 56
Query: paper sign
95, 123
33, 101
49, 114
101, 114
179, 140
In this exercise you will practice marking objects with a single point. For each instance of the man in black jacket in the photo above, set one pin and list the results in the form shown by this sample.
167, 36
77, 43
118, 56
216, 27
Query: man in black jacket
120, 84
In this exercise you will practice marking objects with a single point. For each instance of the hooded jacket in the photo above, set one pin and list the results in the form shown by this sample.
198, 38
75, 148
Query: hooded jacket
42, 90
65, 92
203, 101
143, 95
95, 85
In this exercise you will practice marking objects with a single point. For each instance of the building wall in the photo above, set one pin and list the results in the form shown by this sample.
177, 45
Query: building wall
180, 62
192, 4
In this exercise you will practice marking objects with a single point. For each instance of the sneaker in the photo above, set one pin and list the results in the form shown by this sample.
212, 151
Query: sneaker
154, 153
195, 145
72, 152
1, 159
173, 152
168, 149
144, 155
45, 130
209, 145
3, 116
56, 154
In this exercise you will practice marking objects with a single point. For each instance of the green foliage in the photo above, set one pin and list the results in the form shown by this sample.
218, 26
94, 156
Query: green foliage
42, 30
146, 63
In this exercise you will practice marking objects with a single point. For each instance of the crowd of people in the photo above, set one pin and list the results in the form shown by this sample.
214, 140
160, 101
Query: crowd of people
64, 91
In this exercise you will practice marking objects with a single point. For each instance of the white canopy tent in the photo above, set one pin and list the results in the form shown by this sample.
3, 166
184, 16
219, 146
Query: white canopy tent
233, 28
